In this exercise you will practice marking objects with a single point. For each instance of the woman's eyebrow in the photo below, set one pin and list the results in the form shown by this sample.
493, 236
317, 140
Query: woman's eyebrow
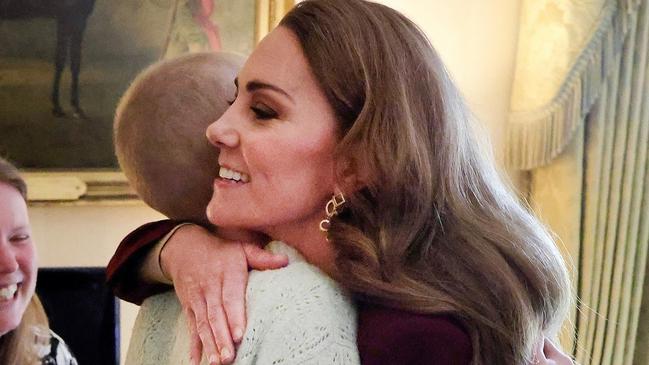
259, 85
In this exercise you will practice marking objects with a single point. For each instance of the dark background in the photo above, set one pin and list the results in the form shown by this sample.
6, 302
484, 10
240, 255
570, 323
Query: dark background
82, 311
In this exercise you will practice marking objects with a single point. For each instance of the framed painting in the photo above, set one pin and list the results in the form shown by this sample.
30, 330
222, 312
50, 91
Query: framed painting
64, 65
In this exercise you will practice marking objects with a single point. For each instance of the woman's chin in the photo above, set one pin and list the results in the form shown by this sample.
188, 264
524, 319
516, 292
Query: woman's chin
10, 319
212, 216
223, 218
217, 219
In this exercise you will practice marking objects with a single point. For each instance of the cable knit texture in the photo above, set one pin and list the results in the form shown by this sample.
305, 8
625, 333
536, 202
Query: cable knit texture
296, 315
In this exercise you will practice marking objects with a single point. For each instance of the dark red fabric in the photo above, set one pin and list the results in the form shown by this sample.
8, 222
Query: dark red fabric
121, 272
391, 336
385, 335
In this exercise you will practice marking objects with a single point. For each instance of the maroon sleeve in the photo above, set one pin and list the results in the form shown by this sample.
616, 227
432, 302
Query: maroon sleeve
391, 336
122, 270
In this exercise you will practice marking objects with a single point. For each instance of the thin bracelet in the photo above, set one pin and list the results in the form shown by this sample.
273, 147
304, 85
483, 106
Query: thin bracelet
163, 243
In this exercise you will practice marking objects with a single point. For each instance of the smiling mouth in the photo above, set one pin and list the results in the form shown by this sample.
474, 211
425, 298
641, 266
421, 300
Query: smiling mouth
8, 292
233, 175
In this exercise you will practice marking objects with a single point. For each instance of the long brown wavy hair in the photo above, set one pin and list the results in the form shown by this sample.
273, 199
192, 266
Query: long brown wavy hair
13, 344
435, 229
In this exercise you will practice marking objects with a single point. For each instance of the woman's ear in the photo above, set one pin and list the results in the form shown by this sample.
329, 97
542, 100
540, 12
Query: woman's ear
350, 178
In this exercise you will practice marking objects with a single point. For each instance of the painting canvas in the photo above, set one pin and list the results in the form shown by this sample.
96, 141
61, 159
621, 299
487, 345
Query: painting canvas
65, 63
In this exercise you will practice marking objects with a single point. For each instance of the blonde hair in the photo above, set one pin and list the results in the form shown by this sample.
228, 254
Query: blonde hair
434, 230
159, 131
13, 344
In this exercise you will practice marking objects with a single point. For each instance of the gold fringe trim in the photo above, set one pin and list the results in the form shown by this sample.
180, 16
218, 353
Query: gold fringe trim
535, 138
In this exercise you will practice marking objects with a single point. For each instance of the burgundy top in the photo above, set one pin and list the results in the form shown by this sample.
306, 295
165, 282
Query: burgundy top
391, 336
385, 335
121, 272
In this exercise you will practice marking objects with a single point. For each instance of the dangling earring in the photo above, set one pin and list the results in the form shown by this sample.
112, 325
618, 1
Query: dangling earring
332, 210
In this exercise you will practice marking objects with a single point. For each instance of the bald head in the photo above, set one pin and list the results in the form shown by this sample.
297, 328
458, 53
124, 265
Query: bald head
159, 131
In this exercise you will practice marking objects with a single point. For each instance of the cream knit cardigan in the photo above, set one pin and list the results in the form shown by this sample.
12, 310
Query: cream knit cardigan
296, 315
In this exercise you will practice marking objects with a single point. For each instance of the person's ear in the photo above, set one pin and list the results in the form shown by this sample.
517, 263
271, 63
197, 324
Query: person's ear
350, 177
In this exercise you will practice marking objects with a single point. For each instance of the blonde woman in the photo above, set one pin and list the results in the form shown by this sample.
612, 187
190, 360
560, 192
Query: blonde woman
25, 337
347, 106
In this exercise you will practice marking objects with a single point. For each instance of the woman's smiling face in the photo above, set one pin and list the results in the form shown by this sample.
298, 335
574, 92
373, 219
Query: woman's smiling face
277, 142
17, 259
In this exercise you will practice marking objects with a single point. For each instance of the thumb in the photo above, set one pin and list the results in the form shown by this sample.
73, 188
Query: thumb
260, 259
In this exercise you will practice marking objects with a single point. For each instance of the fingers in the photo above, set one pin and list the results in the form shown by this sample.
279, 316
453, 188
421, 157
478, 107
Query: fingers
189, 295
260, 259
210, 281
209, 330
197, 318
218, 329
234, 303
195, 347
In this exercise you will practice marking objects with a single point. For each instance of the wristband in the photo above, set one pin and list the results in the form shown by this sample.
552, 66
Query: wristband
161, 245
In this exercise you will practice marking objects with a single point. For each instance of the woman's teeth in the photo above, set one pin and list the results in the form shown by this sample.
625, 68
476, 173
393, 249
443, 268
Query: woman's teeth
8, 292
226, 173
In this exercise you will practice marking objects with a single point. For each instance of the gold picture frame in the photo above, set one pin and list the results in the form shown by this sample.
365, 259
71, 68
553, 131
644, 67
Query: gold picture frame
108, 185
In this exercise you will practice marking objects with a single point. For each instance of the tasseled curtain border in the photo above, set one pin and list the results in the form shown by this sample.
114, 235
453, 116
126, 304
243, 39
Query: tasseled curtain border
534, 138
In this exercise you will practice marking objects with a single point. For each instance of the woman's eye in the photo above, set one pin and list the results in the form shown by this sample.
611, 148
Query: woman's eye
263, 112
20, 238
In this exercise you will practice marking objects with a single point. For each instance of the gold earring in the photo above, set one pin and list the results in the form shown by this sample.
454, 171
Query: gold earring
331, 209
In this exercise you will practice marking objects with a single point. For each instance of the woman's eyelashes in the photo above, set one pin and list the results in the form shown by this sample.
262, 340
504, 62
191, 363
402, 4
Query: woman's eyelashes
18, 238
263, 112
260, 110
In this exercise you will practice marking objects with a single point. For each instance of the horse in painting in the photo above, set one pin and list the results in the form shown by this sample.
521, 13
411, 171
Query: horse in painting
71, 17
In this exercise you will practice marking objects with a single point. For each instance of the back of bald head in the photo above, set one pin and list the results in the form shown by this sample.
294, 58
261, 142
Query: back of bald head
159, 131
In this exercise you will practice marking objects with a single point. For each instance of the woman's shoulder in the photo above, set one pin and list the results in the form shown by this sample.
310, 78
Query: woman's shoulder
408, 337
297, 314
299, 286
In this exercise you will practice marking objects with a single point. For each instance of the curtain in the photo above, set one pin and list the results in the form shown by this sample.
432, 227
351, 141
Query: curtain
580, 126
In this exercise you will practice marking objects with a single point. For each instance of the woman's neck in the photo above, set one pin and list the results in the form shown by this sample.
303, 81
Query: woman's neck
241, 235
306, 237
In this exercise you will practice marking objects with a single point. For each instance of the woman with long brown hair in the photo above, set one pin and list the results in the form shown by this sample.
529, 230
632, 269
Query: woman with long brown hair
25, 337
419, 227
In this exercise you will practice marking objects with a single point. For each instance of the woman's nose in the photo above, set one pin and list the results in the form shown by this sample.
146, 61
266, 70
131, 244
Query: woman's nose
222, 133
8, 263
